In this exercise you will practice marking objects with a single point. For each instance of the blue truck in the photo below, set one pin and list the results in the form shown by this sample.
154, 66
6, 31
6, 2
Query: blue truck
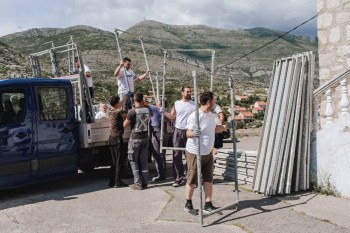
38, 131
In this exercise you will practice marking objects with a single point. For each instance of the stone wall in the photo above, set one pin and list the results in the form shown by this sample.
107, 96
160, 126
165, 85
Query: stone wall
333, 24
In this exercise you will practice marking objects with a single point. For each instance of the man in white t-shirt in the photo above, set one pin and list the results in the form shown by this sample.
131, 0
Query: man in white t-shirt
181, 110
102, 111
206, 132
87, 75
131, 78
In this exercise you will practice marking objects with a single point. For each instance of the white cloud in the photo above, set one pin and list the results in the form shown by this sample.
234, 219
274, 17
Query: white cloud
109, 14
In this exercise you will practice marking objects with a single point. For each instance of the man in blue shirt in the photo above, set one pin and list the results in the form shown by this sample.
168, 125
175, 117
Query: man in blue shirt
159, 157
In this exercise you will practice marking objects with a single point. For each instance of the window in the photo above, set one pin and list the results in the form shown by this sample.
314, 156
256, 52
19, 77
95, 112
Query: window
53, 103
12, 106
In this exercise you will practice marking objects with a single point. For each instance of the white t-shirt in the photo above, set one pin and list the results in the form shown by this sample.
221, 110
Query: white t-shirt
122, 86
183, 110
101, 115
207, 126
216, 111
88, 79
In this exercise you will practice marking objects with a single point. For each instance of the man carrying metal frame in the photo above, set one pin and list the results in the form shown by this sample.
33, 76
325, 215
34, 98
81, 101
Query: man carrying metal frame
131, 78
206, 132
181, 110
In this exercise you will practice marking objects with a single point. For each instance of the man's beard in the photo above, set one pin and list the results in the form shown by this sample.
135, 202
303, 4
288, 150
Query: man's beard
188, 97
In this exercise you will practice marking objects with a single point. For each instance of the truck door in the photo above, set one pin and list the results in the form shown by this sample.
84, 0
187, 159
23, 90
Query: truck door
56, 128
16, 137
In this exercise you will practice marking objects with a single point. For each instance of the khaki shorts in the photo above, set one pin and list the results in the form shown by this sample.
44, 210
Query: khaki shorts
207, 162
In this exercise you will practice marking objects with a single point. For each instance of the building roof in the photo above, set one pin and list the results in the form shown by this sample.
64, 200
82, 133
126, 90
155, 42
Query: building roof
258, 109
243, 97
261, 102
241, 108
246, 114
239, 117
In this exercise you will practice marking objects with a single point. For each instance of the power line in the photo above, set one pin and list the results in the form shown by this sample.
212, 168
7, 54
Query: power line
270, 42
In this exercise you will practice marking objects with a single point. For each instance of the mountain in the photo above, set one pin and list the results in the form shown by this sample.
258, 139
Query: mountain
12, 64
99, 51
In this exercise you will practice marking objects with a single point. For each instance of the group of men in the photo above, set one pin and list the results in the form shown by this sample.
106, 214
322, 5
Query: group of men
145, 122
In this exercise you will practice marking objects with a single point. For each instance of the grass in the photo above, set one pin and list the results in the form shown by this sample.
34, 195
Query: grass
237, 224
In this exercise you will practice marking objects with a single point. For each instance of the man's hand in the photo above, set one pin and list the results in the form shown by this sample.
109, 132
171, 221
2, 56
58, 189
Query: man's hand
129, 94
121, 63
196, 133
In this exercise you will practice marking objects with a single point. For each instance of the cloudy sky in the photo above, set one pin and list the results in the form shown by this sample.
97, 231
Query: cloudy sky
20, 15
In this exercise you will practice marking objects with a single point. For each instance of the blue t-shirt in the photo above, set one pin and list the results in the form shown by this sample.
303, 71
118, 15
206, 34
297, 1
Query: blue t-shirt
156, 117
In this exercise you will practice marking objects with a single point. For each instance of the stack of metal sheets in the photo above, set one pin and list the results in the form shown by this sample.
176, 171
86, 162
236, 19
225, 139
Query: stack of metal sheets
224, 165
283, 160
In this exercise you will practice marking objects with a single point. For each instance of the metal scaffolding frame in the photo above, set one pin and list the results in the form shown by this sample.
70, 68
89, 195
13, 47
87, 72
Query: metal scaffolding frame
78, 83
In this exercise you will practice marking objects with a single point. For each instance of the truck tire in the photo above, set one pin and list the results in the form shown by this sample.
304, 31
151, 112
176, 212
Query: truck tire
86, 167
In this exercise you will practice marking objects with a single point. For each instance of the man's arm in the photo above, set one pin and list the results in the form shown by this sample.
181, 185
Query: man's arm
126, 123
117, 71
142, 77
221, 117
126, 97
220, 128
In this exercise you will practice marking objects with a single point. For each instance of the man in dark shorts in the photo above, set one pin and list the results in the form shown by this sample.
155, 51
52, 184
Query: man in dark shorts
138, 118
115, 116
208, 128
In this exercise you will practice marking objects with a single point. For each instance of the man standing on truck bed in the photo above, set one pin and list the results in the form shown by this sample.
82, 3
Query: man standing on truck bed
181, 110
131, 78
88, 76
138, 118
116, 116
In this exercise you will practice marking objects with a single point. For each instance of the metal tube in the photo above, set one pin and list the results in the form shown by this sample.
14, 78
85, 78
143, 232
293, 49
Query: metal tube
121, 58
54, 63
199, 172
212, 70
163, 102
147, 66
233, 125
220, 209
173, 148
157, 86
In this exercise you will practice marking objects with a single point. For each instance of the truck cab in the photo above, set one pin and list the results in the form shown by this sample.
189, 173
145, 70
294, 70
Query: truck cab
38, 131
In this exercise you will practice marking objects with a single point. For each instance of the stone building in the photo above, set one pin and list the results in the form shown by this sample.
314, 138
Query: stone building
330, 147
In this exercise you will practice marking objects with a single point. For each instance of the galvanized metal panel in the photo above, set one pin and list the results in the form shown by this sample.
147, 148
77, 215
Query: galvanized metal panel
289, 125
288, 184
280, 122
274, 124
267, 122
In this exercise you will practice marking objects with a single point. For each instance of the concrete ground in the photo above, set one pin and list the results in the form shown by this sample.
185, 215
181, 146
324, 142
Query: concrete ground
84, 203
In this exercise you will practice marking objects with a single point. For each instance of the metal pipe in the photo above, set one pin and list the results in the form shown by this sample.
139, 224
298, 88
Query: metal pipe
147, 66
121, 58
212, 70
173, 148
233, 125
163, 102
199, 170
157, 86
221, 208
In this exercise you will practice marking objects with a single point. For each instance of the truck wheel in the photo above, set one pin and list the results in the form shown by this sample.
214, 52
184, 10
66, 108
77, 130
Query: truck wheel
86, 167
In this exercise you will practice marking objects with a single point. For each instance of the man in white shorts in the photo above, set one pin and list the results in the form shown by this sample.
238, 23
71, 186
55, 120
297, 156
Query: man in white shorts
131, 78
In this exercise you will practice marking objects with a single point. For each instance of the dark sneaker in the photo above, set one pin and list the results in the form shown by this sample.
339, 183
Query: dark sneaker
144, 186
136, 187
189, 209
158, 178
209, 209
111, 185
